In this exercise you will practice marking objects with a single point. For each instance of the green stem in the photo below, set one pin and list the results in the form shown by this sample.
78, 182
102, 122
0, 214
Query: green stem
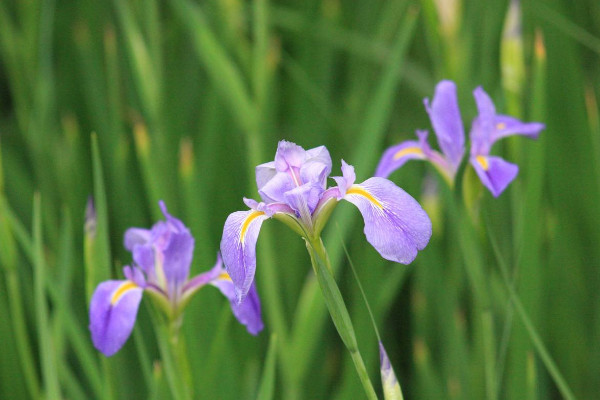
337, 309
173, 355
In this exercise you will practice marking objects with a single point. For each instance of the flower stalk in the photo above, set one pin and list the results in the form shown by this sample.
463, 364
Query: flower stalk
337, 309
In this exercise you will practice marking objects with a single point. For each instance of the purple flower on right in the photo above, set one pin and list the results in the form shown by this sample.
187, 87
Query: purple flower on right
488, 127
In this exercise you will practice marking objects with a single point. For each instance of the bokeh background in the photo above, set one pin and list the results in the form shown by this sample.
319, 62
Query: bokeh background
140, 100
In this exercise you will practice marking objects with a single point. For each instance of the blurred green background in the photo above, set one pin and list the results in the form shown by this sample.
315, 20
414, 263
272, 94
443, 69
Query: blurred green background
140, 100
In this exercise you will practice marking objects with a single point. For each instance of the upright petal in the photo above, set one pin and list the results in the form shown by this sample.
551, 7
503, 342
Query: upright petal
506, 126
494, 172
177, 259
317, 166
289, 155
396, 156
395, 223
346, 180
273, 190
447, 123
113, 311
391, 387
135, 236
238, 248
264, 173
483, 125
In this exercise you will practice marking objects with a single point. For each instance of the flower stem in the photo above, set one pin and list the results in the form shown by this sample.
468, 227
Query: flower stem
337, 309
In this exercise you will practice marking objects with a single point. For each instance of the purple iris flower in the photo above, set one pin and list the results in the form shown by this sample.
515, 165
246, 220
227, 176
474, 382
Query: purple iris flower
293, 189
488, 127
161, 264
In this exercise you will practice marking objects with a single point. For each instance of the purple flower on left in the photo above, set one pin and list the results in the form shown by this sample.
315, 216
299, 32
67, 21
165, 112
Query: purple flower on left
162, 257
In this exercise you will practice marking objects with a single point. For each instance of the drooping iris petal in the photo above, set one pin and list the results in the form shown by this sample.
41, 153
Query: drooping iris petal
494, 172
248, 312
238, 248
395, 223
391, 387
396, 156
447, 123
113, 311
506, 126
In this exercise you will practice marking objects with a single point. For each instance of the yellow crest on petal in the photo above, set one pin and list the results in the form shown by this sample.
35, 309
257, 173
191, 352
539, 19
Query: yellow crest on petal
121, 290
362, 192
251, 217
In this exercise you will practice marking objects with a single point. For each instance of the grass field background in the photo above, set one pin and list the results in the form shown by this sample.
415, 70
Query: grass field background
136, 101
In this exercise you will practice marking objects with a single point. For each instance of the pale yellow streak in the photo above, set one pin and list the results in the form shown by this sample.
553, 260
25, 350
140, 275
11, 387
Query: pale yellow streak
124, 288
483, 162
500, 126
362, 192
408, 151
253, 215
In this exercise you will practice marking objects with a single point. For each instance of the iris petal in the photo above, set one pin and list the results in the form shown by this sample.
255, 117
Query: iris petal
395, 223
396, 156
447, 123
113, 311
238, 248
495, 173
506, 126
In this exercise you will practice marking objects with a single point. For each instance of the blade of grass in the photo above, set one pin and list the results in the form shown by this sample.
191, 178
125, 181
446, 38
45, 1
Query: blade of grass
267, 382
552, 368
48, 362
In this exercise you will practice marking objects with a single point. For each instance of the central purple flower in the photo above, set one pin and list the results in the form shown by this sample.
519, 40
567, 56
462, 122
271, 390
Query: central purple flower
293, 189
162, 258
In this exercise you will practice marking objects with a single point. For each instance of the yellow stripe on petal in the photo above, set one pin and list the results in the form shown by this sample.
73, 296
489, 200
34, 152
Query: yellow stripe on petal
500, 126
251, 217
362, 192
120, 292
483, 161
224, 277
416, 151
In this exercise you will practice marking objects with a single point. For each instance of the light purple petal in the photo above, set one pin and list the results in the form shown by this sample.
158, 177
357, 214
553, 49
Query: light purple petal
317, 166
143, 256
274, 189
238, 248
248, 312
135, 236
395, 223
113, 311
135, 275
447, 123
505, 125
289, 155
175, 224
264, 173
177, 259
304, 199
494, 172
483, 125
396, 156
346, 180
